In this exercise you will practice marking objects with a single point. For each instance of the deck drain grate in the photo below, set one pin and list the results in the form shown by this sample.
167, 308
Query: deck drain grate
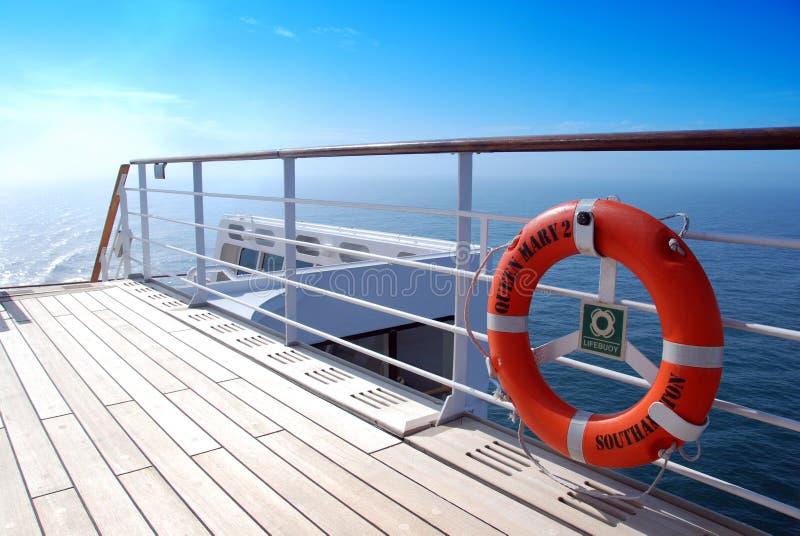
329, 375
378, 398
596, 508
628, 507
230, 327
254, 341
499, 457
288, 357
200, 317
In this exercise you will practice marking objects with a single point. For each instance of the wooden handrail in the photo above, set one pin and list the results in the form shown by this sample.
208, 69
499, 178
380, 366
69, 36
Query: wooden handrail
111, 216
678, 140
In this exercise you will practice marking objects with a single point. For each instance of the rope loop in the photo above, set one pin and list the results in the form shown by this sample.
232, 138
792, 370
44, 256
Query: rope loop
685, 217
474, 282
696, 454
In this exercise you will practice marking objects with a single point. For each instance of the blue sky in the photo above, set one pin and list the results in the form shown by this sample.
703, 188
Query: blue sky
88, 85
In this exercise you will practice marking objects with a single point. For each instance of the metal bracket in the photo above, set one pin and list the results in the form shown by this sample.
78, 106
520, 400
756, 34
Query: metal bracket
673, 423
583, 228
490, 368
159, 170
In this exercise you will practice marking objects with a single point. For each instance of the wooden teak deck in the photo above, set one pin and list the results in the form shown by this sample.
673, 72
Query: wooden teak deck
123, 411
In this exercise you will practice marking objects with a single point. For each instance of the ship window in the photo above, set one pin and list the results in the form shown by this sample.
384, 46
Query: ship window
271, 263
236, 236
263, 242
304, 264
405, 254
230, 253
247, 258
355, 247
305, 250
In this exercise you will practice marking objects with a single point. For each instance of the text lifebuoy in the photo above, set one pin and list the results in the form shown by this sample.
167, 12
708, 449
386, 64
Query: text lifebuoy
691, 363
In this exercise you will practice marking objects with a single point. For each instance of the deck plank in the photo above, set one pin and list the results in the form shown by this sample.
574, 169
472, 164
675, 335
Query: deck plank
267, 507
141, 306
467, 493
109, 437
105, 498
88, 301
53, 306
102, 384
209, 502
43, 394
538, 491
16, 513
462, 445
163, 508
412, 496
353, 429
196, 359
63, 513
331, 515
250, 419
35, 454
241, 449
368, 501
152, 371
185, 432
11, 309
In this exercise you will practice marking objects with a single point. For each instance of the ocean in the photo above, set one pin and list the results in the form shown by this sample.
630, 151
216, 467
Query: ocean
49, 234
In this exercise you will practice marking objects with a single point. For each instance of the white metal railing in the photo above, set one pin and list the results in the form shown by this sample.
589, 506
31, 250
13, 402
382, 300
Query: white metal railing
740, 325
454, 404
722, 405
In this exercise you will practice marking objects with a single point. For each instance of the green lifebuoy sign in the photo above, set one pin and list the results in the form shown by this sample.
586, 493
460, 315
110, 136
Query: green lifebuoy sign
603, 329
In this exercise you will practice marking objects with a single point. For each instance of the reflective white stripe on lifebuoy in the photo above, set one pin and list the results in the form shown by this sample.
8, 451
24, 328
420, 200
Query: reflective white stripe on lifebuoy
507, 324
692, 356
575, 435
673, 423
584, 234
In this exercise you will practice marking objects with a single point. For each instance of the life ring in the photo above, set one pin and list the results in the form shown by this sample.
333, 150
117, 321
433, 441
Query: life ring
676, 407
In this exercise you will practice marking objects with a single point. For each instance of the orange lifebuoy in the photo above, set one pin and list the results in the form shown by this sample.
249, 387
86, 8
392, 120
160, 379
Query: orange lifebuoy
691, 364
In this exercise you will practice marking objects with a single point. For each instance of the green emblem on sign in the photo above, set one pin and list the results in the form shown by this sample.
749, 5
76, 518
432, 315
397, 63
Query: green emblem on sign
603, 329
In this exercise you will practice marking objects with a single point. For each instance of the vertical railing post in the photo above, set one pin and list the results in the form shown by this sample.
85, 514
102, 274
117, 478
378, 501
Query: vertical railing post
455, 404
125, 229
290, 251
484, 237
146, 272
608, 280
200, 295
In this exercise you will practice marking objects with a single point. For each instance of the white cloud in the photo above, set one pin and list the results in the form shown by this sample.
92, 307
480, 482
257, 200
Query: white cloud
250, 21
115, 94
345, 36
336, 30
283, 32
